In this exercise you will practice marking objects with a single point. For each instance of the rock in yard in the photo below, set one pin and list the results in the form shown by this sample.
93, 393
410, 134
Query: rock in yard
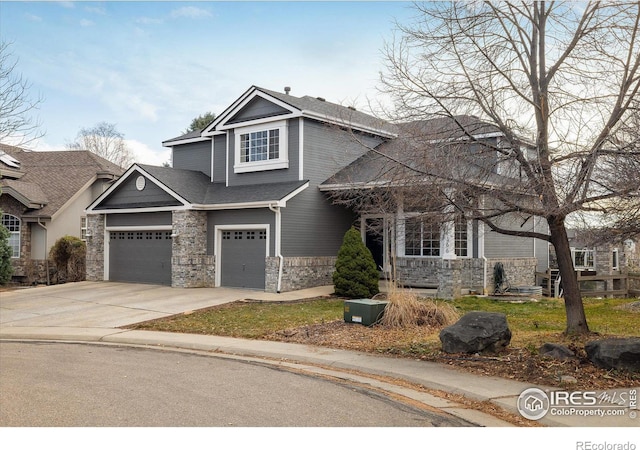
476, 331
616, 353
556, 351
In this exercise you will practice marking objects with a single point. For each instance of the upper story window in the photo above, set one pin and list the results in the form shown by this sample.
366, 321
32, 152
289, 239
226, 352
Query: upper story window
261, 147
12, 223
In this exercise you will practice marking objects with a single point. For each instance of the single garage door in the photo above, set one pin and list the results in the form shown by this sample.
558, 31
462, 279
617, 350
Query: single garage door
243, 254
140, 257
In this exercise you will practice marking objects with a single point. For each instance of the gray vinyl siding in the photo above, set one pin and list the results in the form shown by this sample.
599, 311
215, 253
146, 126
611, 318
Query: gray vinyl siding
542, 247
139, 219
498, 245
128, 196
327, 149
257, 109
220, 158
241, 217
269, 176
194, 156
311, 226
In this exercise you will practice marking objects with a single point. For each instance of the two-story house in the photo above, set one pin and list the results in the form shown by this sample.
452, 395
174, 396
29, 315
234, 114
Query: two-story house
248, 204
43, 198
241, 206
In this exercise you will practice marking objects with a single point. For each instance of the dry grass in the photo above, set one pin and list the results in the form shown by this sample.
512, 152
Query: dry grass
405, 310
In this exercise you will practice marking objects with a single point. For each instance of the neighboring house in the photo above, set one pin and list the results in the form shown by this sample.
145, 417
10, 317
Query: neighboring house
248, 204
43, 197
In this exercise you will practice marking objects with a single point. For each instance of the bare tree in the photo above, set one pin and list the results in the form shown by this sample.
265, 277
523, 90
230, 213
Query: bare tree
558, 81
16, 106
106, 141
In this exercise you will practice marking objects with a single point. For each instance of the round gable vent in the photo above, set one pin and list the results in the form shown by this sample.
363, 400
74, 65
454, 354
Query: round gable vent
140, 183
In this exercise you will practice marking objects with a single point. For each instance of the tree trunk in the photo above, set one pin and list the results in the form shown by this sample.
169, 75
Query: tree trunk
576, 318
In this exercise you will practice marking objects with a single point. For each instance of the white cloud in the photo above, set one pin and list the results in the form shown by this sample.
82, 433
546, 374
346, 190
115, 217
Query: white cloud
96, 9
33, 17
190, 12
86, 23
145, 155
149, 21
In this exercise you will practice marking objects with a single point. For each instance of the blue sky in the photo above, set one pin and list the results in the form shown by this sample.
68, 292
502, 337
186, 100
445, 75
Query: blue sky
150, 67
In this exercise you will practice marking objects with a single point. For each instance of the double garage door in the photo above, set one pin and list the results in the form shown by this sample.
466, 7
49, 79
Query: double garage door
140, 256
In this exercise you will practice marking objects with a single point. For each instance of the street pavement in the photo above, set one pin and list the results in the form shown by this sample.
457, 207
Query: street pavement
99, 312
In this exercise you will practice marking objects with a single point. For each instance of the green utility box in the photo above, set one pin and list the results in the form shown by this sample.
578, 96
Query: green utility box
364, 311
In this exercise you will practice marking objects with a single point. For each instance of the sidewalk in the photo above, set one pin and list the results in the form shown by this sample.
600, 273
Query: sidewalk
499, 391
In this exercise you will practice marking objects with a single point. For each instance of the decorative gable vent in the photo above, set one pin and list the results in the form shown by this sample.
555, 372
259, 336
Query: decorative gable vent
9, 160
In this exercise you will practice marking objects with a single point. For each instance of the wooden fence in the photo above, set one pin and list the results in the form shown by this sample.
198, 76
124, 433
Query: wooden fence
619, 285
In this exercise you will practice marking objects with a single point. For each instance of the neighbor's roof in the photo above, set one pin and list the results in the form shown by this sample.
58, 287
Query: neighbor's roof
51, 179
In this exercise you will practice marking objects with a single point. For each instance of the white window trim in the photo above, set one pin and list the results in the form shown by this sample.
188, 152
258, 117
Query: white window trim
586, 250
469, 241
83, 228
283, 152
16, 233
407, 216
615, 261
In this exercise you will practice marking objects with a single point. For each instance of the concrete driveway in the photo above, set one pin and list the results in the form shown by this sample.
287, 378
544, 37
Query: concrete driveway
114, 305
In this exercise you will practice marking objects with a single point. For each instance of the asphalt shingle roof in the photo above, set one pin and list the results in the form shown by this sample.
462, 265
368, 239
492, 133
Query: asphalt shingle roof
55, 176
197, 188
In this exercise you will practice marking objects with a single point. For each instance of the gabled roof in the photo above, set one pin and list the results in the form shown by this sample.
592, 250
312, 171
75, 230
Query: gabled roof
51, 179
311, 107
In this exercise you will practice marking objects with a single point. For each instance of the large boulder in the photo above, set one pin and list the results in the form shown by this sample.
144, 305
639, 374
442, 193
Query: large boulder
615, 353
476, 331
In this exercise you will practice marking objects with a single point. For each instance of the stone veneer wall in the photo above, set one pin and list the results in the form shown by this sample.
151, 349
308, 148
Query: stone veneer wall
95, 247
453, 277
519, 271
299, 272
190, 264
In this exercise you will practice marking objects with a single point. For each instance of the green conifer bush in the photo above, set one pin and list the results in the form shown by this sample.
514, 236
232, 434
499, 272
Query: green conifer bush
356, 274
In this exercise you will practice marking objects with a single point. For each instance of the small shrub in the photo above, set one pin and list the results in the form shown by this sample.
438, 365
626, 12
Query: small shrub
356, 275
405, 310
69, 255
6, 268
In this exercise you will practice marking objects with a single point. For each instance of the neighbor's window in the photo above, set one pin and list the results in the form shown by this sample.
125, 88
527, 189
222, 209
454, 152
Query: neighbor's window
83, 228
12, 223
421, 238
583, 258
261, 147
615, 260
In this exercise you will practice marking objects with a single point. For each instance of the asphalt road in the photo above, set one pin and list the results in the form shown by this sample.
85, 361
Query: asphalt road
79, 385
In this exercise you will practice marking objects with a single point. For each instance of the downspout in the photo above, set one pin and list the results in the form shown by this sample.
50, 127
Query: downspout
46, 257
278, 213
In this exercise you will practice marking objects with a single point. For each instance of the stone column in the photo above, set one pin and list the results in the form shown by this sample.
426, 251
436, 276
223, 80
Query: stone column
95, 247
450, 279
190, 264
